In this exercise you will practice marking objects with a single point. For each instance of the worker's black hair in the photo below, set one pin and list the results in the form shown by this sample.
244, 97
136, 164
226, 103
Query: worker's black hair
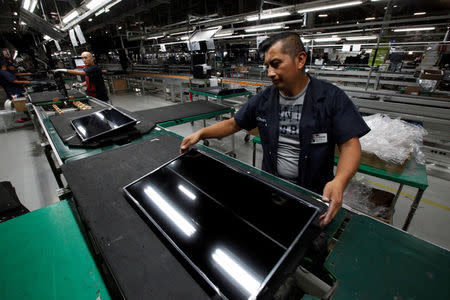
292, 44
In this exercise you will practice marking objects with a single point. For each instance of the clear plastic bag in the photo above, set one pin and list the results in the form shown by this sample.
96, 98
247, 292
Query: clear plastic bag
358, 195
393, 140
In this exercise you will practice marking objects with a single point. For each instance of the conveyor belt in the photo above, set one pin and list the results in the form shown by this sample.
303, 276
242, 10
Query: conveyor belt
142, 266
147, 117
48, 96
70, 138
179, 111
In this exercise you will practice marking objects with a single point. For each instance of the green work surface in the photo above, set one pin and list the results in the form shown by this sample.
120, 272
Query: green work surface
375, 261
413, 174
196, 118
66, 152
220, 97
43, 255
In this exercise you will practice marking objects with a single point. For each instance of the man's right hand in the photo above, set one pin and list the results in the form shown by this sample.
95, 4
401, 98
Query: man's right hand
189, 141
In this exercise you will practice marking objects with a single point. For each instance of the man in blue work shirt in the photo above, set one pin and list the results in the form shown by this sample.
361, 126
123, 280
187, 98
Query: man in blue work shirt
300, 120
9, 82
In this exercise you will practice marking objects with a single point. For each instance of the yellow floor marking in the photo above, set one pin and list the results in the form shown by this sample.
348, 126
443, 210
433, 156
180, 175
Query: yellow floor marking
410, 196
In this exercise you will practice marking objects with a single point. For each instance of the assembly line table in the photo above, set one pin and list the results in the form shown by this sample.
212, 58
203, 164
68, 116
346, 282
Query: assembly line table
62, 152
220, 98
43, 255
368, 257
414, 175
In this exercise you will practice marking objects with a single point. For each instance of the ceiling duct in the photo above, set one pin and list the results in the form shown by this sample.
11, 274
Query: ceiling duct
40, 25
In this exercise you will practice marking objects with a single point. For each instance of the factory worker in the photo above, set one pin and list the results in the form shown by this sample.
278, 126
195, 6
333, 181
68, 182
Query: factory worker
93, 77
300, 120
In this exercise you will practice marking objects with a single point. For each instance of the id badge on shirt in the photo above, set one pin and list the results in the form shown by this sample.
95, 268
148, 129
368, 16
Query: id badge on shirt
319, 138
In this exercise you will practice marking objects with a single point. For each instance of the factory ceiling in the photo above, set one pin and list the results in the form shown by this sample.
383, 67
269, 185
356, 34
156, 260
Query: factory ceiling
135, 19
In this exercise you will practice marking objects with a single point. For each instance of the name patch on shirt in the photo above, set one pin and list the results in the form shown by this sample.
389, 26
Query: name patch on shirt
319, 138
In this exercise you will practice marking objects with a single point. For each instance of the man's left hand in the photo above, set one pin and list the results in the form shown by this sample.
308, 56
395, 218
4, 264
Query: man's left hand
332, 193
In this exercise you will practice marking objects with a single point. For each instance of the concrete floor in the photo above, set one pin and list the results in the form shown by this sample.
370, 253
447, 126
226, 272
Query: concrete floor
23, 163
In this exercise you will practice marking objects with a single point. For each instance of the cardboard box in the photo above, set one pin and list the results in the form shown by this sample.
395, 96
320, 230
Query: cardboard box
120, 86
431, 74
254, 132
372, 160
20, 104
412, 90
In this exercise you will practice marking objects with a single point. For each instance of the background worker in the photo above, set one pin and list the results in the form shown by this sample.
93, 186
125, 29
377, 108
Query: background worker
93, 77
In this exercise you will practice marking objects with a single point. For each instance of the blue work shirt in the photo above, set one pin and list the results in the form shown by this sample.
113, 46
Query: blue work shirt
326, 110
7, 81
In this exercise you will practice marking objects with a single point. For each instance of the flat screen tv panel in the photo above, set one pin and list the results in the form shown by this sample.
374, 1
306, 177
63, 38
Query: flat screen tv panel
233, 229
101, 123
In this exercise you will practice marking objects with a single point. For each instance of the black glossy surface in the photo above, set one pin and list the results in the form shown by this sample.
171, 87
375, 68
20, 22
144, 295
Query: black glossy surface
230, 216
100, 123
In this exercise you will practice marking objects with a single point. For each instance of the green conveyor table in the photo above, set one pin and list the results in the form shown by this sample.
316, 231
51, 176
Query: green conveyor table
413, 174
43, 255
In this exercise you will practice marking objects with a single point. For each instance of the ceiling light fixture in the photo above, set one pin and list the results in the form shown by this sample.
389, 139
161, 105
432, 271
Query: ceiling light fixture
332, 6
421, 13
361, 38
155, 37
323, 16
334, 38
26, 4
70, 17
370, 18
99, 12
33, 5
414, 29
263, 28
265, 15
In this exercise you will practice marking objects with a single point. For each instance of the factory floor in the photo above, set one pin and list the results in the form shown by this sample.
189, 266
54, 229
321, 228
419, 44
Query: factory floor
23, 162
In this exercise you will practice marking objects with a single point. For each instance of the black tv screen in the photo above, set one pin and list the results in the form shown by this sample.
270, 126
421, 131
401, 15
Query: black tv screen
100, 123
232, 228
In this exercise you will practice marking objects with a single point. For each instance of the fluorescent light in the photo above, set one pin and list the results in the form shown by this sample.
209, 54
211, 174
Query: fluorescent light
224, 32
323, 16
94, 4
420, 13
15, 54
334, 38
120, 27
170, 211
90, 20
112, 4
263, 28
15, 13
47, 38
361, 38
70, 17
26, 4
332, 6
370, 18
33, 5
187, 192
23, 23
99, 12
267, 16
155, 37
237, 272
414, 29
